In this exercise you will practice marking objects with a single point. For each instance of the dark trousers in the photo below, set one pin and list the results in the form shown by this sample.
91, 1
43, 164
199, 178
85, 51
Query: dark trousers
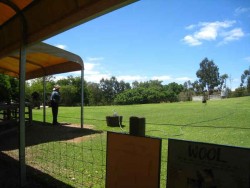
54, 111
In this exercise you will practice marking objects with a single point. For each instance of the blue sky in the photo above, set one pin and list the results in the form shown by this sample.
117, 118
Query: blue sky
164, 40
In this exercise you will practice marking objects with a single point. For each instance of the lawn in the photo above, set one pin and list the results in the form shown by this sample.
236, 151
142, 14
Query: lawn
222, 122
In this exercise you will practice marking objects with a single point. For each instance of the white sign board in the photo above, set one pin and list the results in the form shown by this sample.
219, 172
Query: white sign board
201, 165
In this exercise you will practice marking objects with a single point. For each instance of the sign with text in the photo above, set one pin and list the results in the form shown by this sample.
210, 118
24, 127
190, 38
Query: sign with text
132, 161
201, 165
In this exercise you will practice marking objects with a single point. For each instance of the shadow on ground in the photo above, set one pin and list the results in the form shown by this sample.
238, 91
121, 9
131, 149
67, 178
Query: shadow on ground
9, 175
37, 133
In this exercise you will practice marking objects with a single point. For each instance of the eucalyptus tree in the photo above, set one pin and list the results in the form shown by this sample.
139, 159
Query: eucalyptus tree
245, 77
223, 81
111, 87
208, 75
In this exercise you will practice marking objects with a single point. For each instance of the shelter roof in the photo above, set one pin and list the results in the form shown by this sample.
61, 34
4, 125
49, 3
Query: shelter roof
42, 60
41, 19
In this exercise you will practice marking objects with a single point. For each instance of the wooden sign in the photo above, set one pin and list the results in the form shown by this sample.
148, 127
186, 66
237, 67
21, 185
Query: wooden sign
201, 165
132, 161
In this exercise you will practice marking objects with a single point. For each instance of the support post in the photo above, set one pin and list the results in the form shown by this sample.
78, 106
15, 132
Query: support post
44, 100
22, 76
137, 126
22, 70
82, 96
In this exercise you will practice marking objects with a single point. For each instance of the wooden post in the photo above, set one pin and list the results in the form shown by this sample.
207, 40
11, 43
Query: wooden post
137, 126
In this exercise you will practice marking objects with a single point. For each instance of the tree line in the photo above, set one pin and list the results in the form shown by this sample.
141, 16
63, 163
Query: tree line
112, 92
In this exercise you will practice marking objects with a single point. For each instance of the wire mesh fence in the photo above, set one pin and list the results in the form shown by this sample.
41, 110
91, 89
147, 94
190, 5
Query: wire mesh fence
79, 163
77, 157
74, 156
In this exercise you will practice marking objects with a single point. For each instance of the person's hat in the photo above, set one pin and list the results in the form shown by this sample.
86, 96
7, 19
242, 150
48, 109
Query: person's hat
56, 87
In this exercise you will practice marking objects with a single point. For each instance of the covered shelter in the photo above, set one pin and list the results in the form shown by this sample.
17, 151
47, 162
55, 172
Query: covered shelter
43, 60
26, 22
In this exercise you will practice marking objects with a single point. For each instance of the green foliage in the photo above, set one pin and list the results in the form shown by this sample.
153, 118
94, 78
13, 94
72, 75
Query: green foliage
4, 89
223, 81
70, 89
245, 77
110, 88
239, 92
208, 75
75, 83
140, 95
95, 94
68, 94
149, 92
186, 94
8, 89
36, 85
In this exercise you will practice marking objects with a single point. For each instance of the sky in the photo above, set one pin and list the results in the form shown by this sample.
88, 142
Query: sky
162, 40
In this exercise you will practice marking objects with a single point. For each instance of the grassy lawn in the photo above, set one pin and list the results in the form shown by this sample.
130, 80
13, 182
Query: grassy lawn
222, 122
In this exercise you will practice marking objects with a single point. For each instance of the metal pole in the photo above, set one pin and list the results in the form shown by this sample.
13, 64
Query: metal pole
82, 97
22, 70
44, 100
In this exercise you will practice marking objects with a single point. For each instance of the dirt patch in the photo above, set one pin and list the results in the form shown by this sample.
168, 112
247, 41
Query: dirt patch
80, 138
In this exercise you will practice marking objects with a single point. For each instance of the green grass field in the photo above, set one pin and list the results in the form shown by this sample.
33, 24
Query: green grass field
222, 122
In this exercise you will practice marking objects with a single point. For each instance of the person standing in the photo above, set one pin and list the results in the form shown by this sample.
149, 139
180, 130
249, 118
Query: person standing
55, 99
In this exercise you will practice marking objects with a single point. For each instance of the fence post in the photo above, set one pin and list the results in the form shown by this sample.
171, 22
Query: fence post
137, 126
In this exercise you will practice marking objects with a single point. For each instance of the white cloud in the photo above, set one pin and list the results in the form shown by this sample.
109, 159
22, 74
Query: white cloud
90, 68
92, 75
234, 34
130, 78
162, 78
241, 10
192, 41
94, 59
183, 79
93, 70
189, 27
247, 59
61, 46
212, 31
96, 77
168, 79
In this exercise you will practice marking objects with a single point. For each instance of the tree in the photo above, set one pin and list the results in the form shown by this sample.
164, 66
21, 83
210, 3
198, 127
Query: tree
68, 93
198, 88
149, 92
223, 81
187, 90
111, 87
208, 75
246, 77
8, 89
174, 87
95, 94
5, 87
75, 83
